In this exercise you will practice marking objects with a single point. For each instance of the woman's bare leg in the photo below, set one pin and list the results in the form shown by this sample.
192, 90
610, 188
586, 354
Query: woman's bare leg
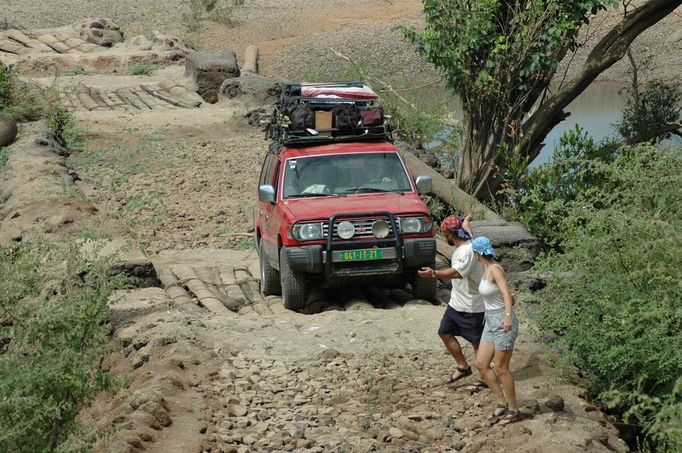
502, 359
485, 354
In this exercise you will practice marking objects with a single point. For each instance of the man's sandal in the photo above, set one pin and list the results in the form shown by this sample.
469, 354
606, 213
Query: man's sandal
463, 372
510, 417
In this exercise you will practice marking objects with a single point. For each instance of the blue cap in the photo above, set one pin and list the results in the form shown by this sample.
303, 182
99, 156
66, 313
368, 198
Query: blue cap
483, 246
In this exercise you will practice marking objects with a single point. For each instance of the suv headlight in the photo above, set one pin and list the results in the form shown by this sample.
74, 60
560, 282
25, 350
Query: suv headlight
414, 225
307, 231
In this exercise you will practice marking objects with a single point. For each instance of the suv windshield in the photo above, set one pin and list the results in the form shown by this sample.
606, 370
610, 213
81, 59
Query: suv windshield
342, 174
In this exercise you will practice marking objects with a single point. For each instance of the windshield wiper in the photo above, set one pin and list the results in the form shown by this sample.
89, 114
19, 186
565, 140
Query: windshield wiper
365, 190
307, 195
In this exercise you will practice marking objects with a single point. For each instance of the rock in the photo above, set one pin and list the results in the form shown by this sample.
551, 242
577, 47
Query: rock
101, 31
529, 406
8, 129
395, 433
157, 411
457, 446
251, 88
433, 434
554, 403
237, 410
165, 42
209, 70
48, 140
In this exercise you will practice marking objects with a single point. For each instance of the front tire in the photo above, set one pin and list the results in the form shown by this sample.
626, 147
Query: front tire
424, 288
294, 295
269, 276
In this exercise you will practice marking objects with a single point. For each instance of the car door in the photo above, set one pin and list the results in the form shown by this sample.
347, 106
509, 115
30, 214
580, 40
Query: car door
268, 218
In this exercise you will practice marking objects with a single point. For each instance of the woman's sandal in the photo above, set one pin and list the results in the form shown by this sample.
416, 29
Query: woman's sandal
463, 372
500, 410
476, 386
510, 417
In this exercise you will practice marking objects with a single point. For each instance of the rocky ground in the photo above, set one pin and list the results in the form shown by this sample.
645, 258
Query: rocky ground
295, 36
205, 362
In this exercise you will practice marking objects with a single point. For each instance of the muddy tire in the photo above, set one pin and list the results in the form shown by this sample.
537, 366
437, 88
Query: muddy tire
424, 288
293, 284
269, 276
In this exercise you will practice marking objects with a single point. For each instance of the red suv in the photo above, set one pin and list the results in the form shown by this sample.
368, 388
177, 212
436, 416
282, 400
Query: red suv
337, 208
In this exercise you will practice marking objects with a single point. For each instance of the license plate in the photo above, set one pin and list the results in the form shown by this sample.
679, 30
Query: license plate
361, 255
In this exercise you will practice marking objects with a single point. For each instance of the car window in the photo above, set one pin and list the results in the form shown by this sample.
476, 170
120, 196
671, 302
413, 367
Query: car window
347, 173
273, 176
264, 170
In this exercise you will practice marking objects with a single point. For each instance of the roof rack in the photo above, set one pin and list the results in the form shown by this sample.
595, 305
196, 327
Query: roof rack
316, 113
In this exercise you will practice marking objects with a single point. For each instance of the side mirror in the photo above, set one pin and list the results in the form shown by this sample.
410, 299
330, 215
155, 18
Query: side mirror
266, 194
424, 184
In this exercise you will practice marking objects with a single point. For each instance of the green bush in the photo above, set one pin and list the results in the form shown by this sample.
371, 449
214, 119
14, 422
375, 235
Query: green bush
4, 154
142, 69
614, 301
63, 124
22, 101
54, 307
647, 112
540, 197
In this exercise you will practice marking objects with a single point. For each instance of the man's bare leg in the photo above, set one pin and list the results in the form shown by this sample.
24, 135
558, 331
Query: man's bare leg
455, 350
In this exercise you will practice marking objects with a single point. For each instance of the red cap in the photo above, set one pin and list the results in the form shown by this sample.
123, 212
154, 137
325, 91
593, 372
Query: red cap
450, 223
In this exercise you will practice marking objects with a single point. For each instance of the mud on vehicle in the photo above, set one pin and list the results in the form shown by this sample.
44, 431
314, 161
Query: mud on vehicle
336, 202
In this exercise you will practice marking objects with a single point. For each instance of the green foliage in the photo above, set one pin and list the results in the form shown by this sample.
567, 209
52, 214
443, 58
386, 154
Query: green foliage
62, 123
490, 49
540, 197
410, 115
22, 101
413, 114
79, 70
245, 244
4, 154
6, 87
142, 69
614, 298
209, 9
54, 307
647, 112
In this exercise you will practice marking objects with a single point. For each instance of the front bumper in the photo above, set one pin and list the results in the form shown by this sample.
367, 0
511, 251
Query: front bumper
315, 259
398, 253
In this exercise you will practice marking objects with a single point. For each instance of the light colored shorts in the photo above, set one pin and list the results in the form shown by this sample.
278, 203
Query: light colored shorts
494, 333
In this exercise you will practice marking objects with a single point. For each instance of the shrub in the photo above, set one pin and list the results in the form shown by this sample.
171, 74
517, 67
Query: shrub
4, 154
63, 124
647, 112
142, 69
54, 307
22, 101
617, 314
540, 197
414, 115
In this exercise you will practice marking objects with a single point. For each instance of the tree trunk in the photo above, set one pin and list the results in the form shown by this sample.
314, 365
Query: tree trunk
485, 175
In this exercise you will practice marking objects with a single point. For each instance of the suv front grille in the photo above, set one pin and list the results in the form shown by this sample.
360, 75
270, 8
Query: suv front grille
363, 227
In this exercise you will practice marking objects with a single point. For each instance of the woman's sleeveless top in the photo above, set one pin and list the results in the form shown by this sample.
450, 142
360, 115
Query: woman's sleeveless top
492, 296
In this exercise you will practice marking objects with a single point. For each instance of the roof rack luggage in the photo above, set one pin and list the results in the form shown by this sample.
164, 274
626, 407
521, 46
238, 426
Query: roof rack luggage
309, 113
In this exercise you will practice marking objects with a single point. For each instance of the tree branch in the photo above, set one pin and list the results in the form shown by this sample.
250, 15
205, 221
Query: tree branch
608, 51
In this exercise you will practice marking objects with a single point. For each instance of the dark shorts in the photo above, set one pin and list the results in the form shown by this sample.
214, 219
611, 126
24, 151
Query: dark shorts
461, 324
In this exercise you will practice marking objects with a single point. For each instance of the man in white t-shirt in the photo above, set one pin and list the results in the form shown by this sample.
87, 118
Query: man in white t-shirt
464, 314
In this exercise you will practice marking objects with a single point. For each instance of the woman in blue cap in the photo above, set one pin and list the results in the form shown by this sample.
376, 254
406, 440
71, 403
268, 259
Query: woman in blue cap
499, 332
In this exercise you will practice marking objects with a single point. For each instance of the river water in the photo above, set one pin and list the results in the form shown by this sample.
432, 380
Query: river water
596, 110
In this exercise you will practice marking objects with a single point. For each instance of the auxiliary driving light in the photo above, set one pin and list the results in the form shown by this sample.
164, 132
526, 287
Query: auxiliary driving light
380, 229
345, 230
